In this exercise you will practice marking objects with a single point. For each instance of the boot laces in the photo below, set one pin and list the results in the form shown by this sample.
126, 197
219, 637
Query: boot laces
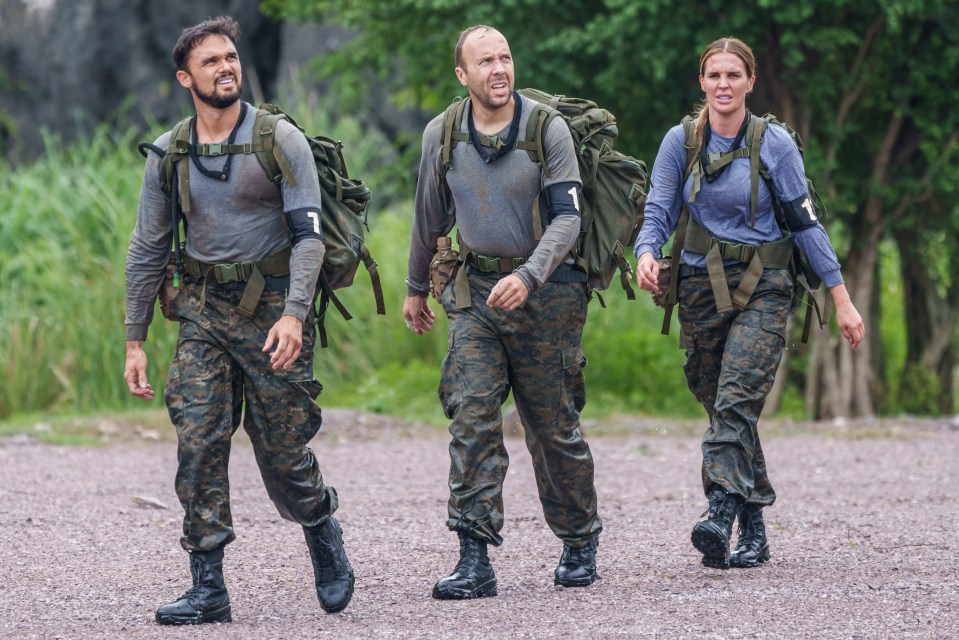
580, 555
200, 588
196, 593
469, 556
575, 555
748, 527
327, 558
717, 503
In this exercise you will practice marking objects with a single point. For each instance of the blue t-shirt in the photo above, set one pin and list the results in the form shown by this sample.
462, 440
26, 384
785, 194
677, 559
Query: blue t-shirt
722, 207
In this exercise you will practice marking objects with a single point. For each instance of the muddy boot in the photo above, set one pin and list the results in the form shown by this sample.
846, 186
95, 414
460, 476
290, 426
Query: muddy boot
207, 600
711, 536
473, 576
331, 567
577, 566
752, 547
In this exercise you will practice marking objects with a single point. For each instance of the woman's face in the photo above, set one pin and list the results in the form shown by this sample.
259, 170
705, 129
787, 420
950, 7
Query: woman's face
725, 83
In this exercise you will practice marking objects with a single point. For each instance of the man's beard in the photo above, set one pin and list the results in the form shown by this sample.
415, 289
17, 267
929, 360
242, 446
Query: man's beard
218, 101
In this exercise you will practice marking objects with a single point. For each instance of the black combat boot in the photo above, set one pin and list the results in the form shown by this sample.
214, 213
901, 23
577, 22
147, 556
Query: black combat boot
752, 547
207, 600
331, 567
473, 576
577, 566
711, 536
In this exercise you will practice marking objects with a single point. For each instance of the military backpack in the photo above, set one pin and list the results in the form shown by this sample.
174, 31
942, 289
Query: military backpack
343, 215
614, 184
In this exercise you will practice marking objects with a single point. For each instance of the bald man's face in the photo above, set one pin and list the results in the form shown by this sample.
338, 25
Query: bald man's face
487, 68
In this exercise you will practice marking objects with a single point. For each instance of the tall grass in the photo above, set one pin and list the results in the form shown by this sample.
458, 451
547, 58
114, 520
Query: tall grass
63, 238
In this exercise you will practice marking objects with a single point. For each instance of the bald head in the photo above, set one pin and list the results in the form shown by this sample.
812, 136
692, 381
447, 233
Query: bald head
479, 30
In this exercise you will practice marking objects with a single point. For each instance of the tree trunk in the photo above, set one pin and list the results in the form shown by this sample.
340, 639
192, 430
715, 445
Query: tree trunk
853, 371
931, 322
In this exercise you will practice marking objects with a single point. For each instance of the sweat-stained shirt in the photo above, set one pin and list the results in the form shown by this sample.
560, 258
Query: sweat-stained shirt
722, 207
491, 203
240, 219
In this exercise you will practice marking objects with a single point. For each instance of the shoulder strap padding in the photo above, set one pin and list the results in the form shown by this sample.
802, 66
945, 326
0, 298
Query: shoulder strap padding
269, 154
178, 153
452, 125
534, 141
754, 137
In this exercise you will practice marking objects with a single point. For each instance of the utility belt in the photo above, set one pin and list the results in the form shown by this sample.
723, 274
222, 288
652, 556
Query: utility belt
563, 273
496, 268
686, 270
769, 255
273, 283
253, 278
490, 264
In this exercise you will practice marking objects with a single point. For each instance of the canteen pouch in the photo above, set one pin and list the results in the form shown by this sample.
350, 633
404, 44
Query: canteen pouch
443, 268
169, 292
665, 276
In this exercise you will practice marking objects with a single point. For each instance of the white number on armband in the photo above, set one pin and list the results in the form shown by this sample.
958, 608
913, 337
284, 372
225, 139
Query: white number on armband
572, 192
315, 217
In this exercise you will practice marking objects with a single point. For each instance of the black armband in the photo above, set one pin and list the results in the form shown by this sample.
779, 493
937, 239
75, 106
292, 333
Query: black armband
799, 214
563, 199
303, 223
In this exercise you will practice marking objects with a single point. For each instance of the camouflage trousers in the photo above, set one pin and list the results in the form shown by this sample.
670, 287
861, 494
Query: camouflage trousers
731, 362
537, 352
219, 372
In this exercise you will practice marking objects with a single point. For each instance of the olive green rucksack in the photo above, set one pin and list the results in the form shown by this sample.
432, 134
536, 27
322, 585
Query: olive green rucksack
343, 215
690, 235
614, 184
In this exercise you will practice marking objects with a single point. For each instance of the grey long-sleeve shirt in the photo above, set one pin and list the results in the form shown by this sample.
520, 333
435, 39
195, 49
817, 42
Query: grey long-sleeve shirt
491, 203
237, 220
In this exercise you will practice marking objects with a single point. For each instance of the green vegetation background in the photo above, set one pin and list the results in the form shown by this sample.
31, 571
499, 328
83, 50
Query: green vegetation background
64, 237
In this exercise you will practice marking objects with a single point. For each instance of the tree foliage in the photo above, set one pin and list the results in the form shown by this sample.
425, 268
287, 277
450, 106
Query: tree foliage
869, 85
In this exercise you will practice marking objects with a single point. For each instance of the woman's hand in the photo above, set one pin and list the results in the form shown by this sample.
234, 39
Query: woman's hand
647, 272
847, 317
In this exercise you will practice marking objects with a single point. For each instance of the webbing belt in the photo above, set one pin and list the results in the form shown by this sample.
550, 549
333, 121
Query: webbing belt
493, 265
770, 255
252, 273
489, 264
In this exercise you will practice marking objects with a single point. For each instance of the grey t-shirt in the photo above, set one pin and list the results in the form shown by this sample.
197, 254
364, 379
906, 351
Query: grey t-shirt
722, 207
237, 220
492, 203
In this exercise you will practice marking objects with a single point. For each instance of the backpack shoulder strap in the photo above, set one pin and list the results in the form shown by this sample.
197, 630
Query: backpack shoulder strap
534, 142
178, 153
754, 137
269, 154
689, 129
672, 296
452, 125
692, 166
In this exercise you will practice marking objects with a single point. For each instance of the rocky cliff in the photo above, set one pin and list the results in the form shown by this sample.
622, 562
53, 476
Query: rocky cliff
66, 62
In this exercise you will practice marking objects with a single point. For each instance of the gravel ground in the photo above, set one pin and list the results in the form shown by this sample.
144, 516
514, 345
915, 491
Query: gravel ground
863, 541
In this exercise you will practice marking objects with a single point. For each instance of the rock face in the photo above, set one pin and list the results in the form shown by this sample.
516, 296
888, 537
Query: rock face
63, 62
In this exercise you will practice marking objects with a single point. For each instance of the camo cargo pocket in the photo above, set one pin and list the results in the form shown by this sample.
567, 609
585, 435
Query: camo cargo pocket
574, 380
312, 389
451, 388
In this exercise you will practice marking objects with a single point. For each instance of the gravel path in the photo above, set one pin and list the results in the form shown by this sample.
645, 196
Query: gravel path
863, 541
